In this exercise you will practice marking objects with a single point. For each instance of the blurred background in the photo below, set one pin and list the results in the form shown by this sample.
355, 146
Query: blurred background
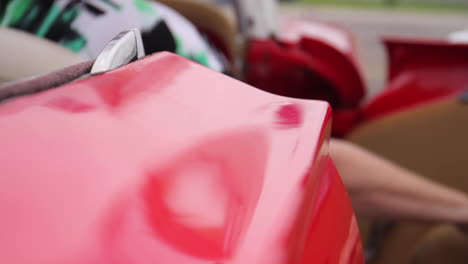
369, 20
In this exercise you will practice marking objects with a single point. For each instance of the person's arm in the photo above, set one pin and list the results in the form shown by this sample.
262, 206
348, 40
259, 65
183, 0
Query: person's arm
381, 189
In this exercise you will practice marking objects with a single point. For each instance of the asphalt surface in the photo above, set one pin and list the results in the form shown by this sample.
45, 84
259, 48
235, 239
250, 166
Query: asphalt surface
369, 25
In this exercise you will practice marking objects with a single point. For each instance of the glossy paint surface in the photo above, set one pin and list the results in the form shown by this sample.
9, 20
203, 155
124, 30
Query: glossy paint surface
420, 71
165, 161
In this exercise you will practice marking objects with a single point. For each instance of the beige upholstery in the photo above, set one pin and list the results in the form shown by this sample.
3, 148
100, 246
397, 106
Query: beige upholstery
23, 55
443, 244
210, 19
431, 140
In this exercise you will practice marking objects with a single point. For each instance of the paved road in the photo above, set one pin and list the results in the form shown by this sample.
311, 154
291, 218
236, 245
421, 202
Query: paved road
369, 25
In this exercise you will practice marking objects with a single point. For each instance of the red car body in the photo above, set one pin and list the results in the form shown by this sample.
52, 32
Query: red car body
420, 71
165, 161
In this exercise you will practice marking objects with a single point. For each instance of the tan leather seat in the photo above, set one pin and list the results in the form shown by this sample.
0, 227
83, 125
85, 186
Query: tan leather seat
24, 55
442, 244
432, 140
211, 20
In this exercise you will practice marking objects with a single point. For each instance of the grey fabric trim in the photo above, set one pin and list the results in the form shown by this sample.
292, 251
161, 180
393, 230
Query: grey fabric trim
44, 82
